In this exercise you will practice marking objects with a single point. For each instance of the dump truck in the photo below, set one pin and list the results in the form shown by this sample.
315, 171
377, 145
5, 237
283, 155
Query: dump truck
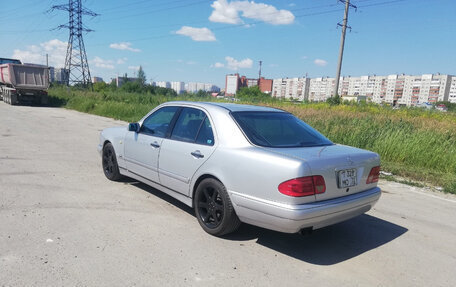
23, 83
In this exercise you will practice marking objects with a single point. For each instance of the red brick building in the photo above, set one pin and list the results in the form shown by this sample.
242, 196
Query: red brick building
234, 82
265, 85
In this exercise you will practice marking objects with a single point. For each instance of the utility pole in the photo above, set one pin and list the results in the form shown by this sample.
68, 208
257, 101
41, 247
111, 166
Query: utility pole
342, 42
259, 73
76, 63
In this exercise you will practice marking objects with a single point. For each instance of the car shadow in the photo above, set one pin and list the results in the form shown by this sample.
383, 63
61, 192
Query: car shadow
159, 194
329, 245
326, 246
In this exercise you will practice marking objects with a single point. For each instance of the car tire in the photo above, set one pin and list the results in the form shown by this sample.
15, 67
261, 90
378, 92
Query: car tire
109, 163
44, 100
213, 208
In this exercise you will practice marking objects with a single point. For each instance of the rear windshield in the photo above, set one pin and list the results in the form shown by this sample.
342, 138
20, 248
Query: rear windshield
278, 129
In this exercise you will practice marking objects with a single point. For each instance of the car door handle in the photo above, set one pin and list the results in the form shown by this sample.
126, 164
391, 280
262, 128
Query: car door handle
197, 154
155, 144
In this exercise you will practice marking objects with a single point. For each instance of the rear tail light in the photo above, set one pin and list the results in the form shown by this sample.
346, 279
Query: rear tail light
303, 186
373, 175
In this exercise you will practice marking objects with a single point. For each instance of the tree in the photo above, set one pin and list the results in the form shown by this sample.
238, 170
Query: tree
141, 76
132, 87
201, 94
252, 94
334, 101
99, 86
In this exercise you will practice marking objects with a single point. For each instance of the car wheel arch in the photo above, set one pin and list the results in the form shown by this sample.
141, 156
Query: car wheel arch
109, 142
199, 180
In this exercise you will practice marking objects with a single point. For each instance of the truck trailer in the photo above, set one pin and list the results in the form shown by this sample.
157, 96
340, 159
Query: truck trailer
23, 83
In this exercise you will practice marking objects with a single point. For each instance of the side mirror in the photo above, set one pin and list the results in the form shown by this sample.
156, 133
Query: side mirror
133, 127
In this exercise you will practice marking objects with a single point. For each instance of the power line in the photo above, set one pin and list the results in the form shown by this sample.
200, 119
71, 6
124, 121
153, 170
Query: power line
130, 4
142, 27
155, 11
5, 12
199, 2
382, 3
226, 27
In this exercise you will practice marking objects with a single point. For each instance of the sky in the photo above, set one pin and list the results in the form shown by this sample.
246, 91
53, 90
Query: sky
202, 41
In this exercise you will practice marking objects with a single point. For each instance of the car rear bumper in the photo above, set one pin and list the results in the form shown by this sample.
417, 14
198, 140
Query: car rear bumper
293, 218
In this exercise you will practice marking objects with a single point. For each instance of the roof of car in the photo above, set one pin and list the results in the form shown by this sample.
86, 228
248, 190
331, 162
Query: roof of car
230, 106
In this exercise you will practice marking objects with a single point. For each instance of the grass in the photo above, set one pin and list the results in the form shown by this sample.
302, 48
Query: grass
413, 143
404, 181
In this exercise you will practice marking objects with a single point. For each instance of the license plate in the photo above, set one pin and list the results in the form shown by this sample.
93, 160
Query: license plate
347, 177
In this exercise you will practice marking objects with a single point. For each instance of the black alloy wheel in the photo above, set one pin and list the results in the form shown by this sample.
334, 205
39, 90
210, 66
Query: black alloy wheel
213, 208
109, 162
210, 206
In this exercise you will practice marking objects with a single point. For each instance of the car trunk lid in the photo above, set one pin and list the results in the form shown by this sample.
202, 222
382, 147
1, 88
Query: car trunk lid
345, 169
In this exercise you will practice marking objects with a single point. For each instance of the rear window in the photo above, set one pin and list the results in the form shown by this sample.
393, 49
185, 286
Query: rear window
278, 129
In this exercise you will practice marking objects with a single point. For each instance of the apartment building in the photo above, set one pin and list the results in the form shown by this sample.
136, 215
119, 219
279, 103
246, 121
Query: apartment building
58, 75
392, 89
163, 84
178, 87
194, 87
291, 88
435, 88
344, 85
320, 89
211, 88
414, 90
191, 87
452, 91
231, 85
97, 79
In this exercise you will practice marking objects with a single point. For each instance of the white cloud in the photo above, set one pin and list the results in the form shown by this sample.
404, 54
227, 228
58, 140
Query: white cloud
320, 62
134, 68
228, 12
190, 62
101, 63
304, 58
225, 12
123, 46
233, 64
121, 61
218, 65
197, 34
36, 54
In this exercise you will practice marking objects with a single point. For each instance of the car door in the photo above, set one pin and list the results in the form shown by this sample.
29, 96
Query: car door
190, 144
142, 148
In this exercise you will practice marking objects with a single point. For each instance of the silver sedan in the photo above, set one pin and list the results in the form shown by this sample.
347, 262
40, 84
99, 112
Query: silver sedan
239, 163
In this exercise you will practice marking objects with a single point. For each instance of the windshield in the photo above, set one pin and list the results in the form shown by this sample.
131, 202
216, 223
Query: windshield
278, 129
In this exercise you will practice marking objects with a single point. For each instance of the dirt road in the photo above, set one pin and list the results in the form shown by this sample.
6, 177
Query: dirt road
62, 223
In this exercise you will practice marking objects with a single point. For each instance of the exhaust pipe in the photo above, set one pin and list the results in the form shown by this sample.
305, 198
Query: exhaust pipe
306, 231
